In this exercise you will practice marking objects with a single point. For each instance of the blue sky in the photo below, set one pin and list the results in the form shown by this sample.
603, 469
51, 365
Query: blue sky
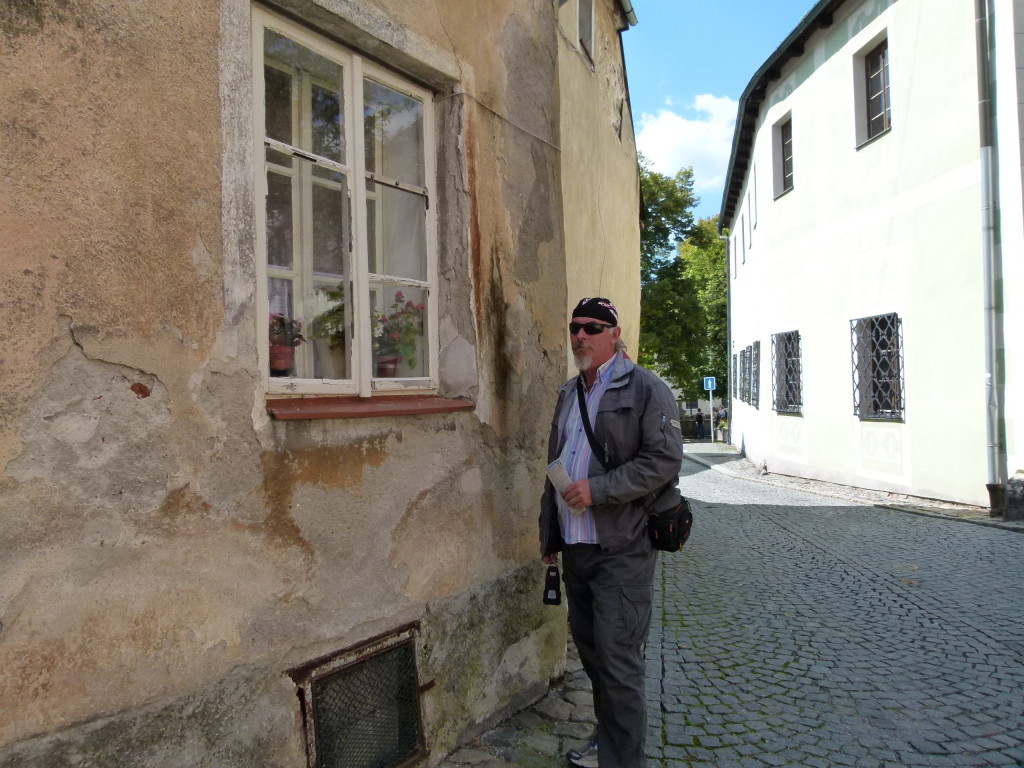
688, 62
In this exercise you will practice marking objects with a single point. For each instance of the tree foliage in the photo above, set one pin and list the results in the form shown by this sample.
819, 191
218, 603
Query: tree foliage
668, 203
683, 322
705, 258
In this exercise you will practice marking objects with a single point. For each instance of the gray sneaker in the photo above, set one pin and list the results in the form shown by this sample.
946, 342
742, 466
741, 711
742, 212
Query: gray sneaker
585, 758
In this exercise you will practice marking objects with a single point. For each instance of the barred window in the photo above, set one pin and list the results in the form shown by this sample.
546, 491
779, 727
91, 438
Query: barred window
745, 375
741, 386
787, 396
734, 381
876, 72
755, 374
782, 152
878, 367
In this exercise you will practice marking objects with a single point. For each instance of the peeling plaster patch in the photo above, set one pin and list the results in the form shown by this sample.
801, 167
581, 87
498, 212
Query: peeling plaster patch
91, 436
458, 367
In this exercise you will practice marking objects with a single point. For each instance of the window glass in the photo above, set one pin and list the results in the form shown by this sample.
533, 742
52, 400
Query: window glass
393, 127
279, 220
278, 96
330, 218
585, 19
398, 319
303, 97
396, 232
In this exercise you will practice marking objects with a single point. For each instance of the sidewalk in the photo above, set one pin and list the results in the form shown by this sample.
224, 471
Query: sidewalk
540, 735
726, 458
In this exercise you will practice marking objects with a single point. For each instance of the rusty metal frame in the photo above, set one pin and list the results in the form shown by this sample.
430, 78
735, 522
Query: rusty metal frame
309, 674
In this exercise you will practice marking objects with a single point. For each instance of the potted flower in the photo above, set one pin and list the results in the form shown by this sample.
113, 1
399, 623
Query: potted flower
396, 334
723, 430
285, 336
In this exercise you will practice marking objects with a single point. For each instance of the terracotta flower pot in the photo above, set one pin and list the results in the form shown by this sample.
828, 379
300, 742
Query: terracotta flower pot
282, 358
387, 367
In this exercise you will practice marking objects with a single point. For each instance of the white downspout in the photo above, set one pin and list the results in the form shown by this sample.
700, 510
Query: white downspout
989, 195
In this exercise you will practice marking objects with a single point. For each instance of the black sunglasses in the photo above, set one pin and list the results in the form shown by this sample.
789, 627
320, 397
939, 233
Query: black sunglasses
591, 329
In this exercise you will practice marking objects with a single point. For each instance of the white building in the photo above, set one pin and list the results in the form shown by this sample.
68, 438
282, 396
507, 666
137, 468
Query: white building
874, 211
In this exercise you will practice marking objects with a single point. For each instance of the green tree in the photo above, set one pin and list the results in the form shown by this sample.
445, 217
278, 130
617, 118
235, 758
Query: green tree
705, 258
671, 323
668, 205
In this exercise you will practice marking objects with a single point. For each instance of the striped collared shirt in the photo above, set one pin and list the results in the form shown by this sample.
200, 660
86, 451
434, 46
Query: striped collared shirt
579, 527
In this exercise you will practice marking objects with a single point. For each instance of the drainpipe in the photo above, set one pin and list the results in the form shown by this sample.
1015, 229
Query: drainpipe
989, 154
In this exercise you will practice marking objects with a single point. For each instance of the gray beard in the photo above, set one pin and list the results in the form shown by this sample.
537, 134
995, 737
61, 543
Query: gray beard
582, 361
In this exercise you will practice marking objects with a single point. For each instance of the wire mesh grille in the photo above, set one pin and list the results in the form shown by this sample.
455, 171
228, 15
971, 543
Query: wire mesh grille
367, 715
786, 393
877, 367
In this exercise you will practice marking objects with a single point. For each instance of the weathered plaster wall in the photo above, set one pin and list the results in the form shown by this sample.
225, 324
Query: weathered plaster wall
600, 180
166, 551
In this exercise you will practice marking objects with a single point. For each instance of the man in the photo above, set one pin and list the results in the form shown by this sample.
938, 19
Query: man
599, 522
699, 420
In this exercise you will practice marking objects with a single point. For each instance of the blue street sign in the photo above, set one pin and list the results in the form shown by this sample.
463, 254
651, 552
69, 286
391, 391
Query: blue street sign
709, 383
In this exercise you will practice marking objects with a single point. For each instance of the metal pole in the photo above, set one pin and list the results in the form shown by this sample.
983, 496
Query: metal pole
711, 413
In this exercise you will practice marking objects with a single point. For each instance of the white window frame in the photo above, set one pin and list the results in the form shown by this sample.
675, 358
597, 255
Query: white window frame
363, 383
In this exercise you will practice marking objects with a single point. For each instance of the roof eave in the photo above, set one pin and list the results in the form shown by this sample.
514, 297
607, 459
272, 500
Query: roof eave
819, 17
627, 9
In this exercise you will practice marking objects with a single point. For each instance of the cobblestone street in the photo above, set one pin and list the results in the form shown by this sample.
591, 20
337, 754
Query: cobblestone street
801, 629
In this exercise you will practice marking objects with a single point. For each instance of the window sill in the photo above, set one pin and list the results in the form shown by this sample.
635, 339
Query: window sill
296, 408
874, 138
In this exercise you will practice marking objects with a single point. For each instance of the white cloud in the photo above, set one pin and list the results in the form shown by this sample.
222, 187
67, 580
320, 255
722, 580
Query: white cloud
671, 142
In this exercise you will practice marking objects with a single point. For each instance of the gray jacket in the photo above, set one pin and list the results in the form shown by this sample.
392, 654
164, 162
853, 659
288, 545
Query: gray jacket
638, 426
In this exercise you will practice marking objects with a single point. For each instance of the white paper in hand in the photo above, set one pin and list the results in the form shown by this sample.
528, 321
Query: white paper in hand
559, 478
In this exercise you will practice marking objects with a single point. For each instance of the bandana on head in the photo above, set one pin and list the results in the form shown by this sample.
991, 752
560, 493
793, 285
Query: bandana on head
599, 309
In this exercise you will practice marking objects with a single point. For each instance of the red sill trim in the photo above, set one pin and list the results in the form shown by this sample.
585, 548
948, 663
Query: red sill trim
291, 409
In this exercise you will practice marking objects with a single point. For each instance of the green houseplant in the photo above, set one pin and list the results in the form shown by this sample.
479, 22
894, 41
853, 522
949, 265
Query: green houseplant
330, 324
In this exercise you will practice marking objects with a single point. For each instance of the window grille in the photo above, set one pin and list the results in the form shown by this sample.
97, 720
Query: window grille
361, 708
876, 71
878, 367
786, 139
744, 375
734, 382
786, 392
755, 373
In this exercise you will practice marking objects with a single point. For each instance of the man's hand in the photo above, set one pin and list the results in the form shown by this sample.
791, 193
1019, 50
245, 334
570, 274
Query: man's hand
578, 495
550, 559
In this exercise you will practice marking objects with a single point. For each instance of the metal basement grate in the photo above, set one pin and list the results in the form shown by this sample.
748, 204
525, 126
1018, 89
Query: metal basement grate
362, 707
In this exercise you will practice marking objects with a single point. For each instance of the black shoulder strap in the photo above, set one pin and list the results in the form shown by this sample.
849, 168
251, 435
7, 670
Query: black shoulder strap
586, 424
